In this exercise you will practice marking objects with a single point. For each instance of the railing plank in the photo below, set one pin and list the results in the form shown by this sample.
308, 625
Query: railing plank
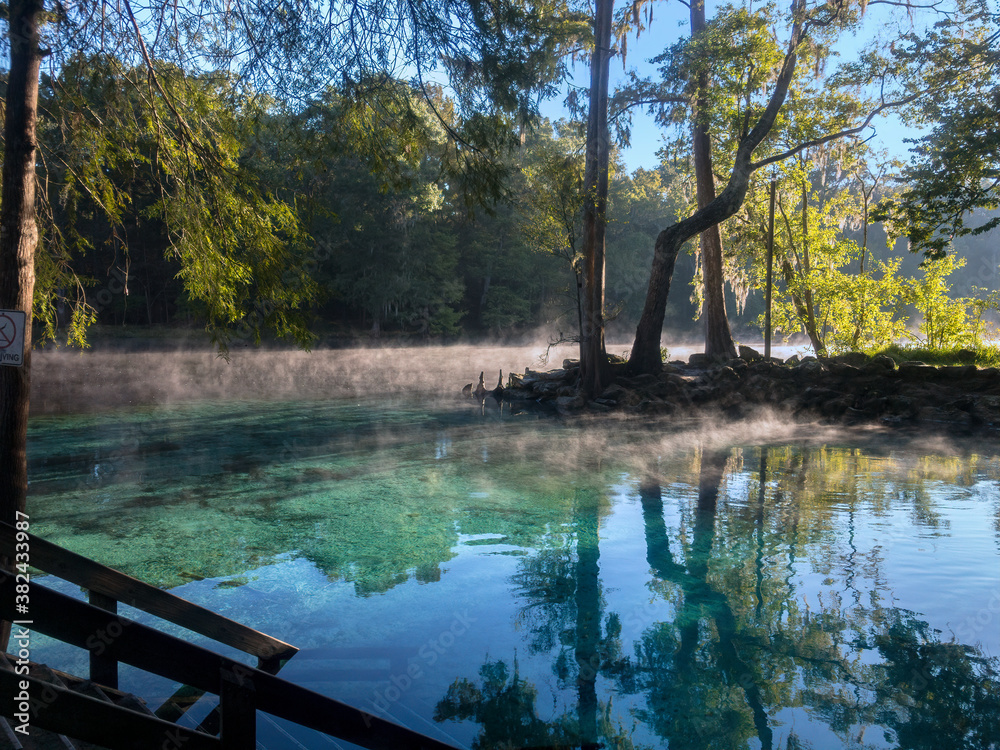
124, 588
63, 711
85, 626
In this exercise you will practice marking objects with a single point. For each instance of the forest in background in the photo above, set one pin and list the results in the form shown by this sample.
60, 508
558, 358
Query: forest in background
355, 214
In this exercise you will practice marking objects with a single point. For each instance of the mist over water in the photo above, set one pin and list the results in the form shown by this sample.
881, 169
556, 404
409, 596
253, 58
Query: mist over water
500, 580
69, 381
65, 380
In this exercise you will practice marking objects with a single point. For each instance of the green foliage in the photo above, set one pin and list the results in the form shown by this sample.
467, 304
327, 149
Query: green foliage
949, 323
136, 167
953, 171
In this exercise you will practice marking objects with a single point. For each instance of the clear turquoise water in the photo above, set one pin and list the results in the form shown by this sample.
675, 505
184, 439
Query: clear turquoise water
521, 581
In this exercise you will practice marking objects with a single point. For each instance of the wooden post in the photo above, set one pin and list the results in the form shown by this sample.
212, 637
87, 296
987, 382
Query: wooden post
770, 271
238, 709
103, 668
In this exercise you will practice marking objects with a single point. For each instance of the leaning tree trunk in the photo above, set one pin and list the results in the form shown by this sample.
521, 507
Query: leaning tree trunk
593, 355
645, 356
718, 337
18, 237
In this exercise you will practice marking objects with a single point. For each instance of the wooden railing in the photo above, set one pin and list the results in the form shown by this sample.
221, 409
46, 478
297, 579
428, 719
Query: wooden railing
112, 639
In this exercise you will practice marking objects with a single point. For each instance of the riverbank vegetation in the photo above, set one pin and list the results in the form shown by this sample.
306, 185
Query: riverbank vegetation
382, 245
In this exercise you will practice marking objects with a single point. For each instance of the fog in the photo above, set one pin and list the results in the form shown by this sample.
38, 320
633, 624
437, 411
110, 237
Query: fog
65, 380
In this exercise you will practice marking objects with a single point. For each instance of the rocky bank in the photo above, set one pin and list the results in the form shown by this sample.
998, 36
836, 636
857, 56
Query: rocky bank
846, 389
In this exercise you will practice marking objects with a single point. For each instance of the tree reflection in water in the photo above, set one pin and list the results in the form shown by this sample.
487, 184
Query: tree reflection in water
746, 643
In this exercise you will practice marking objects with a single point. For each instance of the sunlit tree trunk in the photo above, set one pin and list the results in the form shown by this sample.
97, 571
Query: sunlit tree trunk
718, 337
593, 355
18, 238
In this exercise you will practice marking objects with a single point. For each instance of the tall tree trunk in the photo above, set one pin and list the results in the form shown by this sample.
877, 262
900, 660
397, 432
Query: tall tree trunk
645, 356
18, 238
593, 355
814, 334
718, 337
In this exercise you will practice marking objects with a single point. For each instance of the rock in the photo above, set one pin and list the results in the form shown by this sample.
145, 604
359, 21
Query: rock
835, 407
880, 364
883, 361
855, 359
702, 360
793, 360
816, 397
916, 371
740, 366
750, 355
843, 369
614, 392
569, 403
726, 375
900, 406
956, 373
810, 367
645, 380
549, 388
569, 364
702, 394
965, 403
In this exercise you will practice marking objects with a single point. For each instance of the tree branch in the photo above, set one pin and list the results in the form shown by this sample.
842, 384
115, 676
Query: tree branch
834, 136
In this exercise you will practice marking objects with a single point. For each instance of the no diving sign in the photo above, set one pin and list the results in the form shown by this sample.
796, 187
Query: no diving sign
12, 338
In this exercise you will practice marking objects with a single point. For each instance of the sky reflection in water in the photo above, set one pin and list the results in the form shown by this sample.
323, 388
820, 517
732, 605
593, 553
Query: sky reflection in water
501, 581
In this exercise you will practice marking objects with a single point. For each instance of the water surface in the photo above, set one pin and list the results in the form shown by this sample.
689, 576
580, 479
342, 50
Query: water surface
501, 580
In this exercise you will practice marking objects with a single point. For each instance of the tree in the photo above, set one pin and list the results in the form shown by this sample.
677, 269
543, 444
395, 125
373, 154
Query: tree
18, 237
645, 355
811, 29
718, 338
593, 355
954, 169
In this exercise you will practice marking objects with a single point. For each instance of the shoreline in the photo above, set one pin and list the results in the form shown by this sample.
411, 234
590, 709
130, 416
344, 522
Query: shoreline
849, 390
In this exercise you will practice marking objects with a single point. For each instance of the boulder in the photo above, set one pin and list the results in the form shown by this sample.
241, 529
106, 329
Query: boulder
916, 371
750, 355
810, 367
703, 361
843, 369
855, 359
569, 403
